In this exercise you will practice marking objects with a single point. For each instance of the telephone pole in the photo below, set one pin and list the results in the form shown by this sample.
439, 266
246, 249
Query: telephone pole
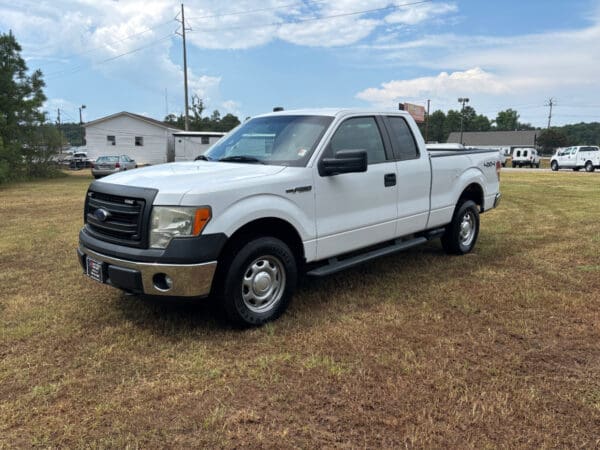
427, 122
185, 77
462, 115
551, 103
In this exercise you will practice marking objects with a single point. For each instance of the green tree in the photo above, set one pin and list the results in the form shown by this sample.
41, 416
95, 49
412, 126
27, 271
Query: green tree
21, 99
229, 122
436, 125
551, 139
507, 120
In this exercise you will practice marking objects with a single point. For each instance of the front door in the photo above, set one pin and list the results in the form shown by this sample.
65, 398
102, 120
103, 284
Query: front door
355, 210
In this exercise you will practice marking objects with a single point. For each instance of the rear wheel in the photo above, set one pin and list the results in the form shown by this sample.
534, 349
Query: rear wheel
589, 167
537, 166
514, 165
461, 234
554, 166
260, 281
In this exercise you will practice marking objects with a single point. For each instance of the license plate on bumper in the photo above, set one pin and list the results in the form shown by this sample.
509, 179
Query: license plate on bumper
94, 270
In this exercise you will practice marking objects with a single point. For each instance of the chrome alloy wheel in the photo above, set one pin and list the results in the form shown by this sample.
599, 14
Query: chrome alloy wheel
263, 284
467, 229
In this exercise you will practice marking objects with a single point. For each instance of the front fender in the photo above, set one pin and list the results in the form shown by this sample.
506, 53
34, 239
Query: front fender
259, 206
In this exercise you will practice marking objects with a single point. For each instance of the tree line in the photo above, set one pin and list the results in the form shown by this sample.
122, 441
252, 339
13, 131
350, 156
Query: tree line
442, 124
198, 123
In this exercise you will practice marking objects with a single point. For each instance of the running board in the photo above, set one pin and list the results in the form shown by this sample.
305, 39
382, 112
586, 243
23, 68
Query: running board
336, 265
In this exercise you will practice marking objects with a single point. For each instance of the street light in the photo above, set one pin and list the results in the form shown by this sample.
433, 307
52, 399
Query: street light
462, 100
81, 124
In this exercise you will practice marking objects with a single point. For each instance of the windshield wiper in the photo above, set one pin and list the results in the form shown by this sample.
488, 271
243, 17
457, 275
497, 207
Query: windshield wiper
202, 158
242, 158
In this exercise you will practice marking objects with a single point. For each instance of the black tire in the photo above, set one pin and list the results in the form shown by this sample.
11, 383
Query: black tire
576, 169
503, 164
514, 165
537, 166
263, 263
453, 240
554, 166
589, 167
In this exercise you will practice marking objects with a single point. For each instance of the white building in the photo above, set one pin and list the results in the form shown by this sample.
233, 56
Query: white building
146, 140
190, 144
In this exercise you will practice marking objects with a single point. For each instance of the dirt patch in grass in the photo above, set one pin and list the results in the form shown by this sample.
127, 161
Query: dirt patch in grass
498, 348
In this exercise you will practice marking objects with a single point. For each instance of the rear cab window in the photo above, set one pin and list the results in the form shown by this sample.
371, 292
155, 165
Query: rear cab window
404, 145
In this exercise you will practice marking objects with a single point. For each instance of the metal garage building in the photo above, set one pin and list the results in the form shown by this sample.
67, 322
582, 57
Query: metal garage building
501, 140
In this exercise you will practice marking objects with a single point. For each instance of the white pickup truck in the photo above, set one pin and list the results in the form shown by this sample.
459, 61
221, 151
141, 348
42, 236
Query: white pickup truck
579, 157
312, 191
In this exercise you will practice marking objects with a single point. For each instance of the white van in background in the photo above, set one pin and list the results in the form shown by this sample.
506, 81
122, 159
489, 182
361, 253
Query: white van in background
579, 157
525, 157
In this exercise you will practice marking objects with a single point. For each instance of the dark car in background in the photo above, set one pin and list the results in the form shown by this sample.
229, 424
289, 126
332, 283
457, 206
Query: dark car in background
107, 165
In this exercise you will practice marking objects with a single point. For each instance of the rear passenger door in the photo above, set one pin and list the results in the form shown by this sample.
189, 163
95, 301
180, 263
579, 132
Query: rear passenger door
414, 177
356, 210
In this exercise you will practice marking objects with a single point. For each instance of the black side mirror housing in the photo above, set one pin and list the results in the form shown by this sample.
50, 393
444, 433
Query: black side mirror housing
345, 161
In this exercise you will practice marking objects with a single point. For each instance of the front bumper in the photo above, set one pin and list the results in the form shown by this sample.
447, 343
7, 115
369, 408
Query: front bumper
188, 280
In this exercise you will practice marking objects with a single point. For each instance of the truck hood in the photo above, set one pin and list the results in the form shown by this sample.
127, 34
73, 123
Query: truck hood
173, 180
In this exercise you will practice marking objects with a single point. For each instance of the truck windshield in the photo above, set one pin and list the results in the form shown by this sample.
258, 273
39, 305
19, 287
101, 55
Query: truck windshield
276, 140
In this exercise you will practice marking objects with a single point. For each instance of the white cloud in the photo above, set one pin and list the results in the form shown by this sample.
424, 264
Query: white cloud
443, 85
519, 71
420, 13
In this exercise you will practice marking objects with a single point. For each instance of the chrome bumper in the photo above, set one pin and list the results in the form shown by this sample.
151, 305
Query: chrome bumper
188, 280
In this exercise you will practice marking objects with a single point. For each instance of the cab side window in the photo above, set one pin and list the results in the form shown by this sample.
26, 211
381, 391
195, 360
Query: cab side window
403, 141
359, 133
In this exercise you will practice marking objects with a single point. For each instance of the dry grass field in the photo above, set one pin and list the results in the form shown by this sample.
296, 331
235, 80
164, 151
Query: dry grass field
499, 348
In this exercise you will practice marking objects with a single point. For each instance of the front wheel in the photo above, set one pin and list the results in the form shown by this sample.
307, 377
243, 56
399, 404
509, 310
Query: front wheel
461, 234
260, 281
554, 166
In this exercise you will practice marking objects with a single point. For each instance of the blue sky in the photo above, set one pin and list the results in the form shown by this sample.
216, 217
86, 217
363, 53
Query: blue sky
122, 55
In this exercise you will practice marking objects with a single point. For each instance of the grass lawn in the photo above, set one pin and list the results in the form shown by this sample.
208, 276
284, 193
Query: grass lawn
498, 348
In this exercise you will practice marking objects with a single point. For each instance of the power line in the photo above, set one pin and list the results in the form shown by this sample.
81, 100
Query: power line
112, 58
99, 47
252, 11
315, 19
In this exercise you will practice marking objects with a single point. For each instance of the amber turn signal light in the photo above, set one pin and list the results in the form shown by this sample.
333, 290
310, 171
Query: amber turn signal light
201, 218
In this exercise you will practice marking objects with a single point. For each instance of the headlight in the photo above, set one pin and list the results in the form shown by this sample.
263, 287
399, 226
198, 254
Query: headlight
168, 222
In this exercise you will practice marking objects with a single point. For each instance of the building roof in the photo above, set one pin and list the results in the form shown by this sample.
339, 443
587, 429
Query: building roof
200, 133
501, 138
133, 116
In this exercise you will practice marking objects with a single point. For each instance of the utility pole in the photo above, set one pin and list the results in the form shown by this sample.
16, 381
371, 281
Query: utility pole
551, 103
462, 115
81, 125
185, 78
166, 102
58, 119
427, 122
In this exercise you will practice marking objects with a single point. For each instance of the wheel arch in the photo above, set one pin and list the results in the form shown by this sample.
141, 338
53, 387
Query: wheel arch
267, 226
473, 192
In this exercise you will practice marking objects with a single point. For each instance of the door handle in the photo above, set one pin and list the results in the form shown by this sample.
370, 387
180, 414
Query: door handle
389, 179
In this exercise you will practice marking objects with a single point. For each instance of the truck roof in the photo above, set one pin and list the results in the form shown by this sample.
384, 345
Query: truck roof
332, 112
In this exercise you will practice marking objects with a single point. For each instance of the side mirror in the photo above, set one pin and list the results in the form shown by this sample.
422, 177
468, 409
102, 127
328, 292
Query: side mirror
345, 161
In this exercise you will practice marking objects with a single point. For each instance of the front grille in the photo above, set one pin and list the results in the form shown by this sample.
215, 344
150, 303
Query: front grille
115, 217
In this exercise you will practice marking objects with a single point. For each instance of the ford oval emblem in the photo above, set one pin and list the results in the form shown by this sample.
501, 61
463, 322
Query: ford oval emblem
101, 214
